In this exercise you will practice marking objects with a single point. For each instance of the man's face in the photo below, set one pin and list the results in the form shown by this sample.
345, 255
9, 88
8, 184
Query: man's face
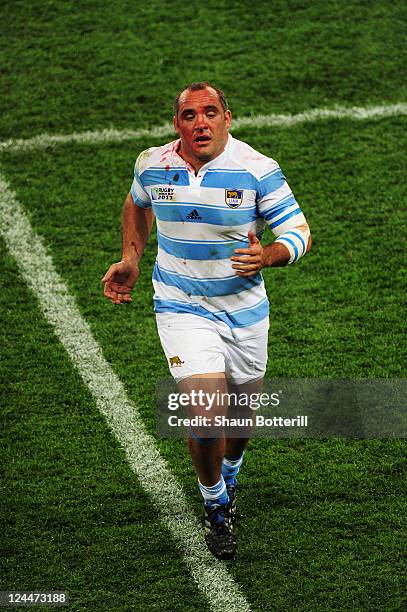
202, 125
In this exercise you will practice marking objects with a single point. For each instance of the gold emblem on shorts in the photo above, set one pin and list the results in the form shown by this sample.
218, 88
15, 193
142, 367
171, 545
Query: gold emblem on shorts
175, 362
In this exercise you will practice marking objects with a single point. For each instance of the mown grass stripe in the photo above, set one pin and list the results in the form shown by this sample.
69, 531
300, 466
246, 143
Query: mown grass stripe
106, 136
122, 416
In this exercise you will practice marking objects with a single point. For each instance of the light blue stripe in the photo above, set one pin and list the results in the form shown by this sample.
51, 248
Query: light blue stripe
238, 318
271, 183
209, 287
277, 209
161, 176
229, 180
178, 211
297, 235
295, 212
284, 238
200, 250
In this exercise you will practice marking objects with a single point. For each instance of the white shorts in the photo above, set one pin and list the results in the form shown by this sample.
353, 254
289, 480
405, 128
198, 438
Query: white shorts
196, 345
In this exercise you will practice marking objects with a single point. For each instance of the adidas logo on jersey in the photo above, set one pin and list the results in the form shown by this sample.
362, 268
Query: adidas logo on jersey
194, 215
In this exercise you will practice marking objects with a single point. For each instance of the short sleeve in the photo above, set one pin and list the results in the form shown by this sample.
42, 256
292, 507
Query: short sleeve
276, 202
138, 193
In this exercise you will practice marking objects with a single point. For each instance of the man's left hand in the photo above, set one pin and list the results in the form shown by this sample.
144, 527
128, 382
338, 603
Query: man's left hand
250, 260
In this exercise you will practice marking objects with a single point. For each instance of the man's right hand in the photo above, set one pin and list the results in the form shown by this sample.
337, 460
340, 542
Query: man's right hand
119, 281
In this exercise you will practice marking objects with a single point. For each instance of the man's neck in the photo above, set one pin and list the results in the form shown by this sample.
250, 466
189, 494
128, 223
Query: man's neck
194, 162
191, 161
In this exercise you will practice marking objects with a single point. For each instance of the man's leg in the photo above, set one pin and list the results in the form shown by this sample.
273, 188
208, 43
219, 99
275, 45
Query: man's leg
207, 457
207, 449
234, 446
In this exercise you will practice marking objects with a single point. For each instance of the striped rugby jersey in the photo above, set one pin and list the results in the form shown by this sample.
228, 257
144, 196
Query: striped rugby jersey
201, 219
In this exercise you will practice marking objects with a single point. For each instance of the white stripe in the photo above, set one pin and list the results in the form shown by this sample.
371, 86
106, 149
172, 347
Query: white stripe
197, 240
230, 170
224, 303
198, 280
198, 268
122, 416
199, 232
213, 197
256, 121
246, 308
316, 114
291, 223
274, 198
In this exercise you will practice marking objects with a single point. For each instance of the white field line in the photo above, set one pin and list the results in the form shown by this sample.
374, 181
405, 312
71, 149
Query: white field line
94, 137
122, 416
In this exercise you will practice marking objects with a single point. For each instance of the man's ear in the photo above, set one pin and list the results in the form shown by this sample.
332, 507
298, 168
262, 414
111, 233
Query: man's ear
175, 122
228, 117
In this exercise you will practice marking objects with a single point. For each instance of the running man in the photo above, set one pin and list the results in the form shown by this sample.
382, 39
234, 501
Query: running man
212, 196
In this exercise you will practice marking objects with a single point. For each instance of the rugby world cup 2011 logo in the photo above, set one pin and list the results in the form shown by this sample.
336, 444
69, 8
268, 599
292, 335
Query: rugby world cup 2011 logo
233, 197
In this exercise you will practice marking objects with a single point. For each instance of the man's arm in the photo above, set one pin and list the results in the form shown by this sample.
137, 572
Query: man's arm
277, 205
121, 277
136, 228
277, 253
256, 257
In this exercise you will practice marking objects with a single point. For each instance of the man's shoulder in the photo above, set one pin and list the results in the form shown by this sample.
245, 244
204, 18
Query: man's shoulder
251, 160
156, 157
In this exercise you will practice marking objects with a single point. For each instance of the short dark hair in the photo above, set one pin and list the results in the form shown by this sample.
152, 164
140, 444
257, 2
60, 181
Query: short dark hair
199, 87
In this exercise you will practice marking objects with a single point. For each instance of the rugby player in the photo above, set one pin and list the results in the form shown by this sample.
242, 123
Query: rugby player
212, 196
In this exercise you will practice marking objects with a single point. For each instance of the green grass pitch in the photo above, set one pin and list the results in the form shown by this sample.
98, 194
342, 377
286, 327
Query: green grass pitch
322, 521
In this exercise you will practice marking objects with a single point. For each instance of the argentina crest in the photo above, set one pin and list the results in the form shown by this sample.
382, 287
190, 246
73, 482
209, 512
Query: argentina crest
233, 197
